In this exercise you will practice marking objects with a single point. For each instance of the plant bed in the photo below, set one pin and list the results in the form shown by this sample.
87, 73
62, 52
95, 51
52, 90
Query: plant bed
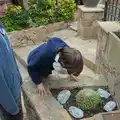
72, 102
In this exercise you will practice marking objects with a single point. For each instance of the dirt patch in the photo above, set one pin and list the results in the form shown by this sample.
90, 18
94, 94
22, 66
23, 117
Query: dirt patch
72, 102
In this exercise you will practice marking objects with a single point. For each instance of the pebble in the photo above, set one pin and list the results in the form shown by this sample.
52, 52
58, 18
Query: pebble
76, 112
63, 96
110, 106
103, 93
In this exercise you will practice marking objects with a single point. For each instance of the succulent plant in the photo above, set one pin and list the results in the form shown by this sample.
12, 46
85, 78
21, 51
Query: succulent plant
88, 99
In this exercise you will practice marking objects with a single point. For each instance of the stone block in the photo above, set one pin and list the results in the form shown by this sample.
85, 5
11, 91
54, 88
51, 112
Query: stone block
56, 26
42, 108
34, 36
87, 32
91, 14
41, 34
115, 115
114, 48
87, 27
111, 83
108, 46
85, 23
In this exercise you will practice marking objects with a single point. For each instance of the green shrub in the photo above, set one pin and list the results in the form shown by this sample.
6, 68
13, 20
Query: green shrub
41, 12
65, 10
15, 18
88, 99
45, 11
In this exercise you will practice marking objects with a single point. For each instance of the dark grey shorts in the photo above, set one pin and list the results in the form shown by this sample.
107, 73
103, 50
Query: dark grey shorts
6, 116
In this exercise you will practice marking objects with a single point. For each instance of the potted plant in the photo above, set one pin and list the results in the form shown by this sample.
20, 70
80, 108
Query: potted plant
90, 3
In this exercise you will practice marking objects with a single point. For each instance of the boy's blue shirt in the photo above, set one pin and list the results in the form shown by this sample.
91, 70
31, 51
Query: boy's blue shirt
10, 79
40, 60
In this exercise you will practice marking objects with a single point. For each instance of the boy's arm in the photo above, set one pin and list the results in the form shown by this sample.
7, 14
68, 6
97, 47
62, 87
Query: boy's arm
6, 98
34, 76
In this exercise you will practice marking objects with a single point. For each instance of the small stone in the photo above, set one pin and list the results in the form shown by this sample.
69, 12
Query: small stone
103, 93
63, 96
110, 106
76, 112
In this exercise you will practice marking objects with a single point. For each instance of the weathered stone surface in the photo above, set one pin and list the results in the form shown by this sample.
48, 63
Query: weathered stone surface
115, 115
28, 37
23, 52
109, 26
42, 108
63, 34
33, 36
73, 26
84, 80
87, 27
56, 26
107, 59
88, 9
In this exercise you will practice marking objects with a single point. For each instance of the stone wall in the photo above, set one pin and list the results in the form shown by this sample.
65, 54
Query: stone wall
108, 57
33, 36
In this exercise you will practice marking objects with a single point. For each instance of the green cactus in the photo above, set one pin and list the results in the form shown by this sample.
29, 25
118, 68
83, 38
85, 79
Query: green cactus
88, 99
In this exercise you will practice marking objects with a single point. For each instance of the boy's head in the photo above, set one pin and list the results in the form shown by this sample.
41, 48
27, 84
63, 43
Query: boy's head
3, 7
72, 60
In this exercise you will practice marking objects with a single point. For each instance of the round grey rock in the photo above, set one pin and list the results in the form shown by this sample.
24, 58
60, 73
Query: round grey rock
76, 112
63, 96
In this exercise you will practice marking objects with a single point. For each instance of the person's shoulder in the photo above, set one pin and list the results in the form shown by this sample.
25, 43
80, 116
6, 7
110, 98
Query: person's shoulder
2, 29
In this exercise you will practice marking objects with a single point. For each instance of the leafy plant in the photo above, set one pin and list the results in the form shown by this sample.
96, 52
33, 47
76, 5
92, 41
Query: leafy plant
65, 10
88, 99
15, 18
41, 12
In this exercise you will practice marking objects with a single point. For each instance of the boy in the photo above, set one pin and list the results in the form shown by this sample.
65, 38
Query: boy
10, 79
51, 55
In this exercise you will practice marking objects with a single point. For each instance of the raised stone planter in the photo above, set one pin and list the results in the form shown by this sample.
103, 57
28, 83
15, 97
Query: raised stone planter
107, 57
34, 36
87, 17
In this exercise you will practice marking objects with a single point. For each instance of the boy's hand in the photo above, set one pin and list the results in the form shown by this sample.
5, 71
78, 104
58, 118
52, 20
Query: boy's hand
42, 91
73, 78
